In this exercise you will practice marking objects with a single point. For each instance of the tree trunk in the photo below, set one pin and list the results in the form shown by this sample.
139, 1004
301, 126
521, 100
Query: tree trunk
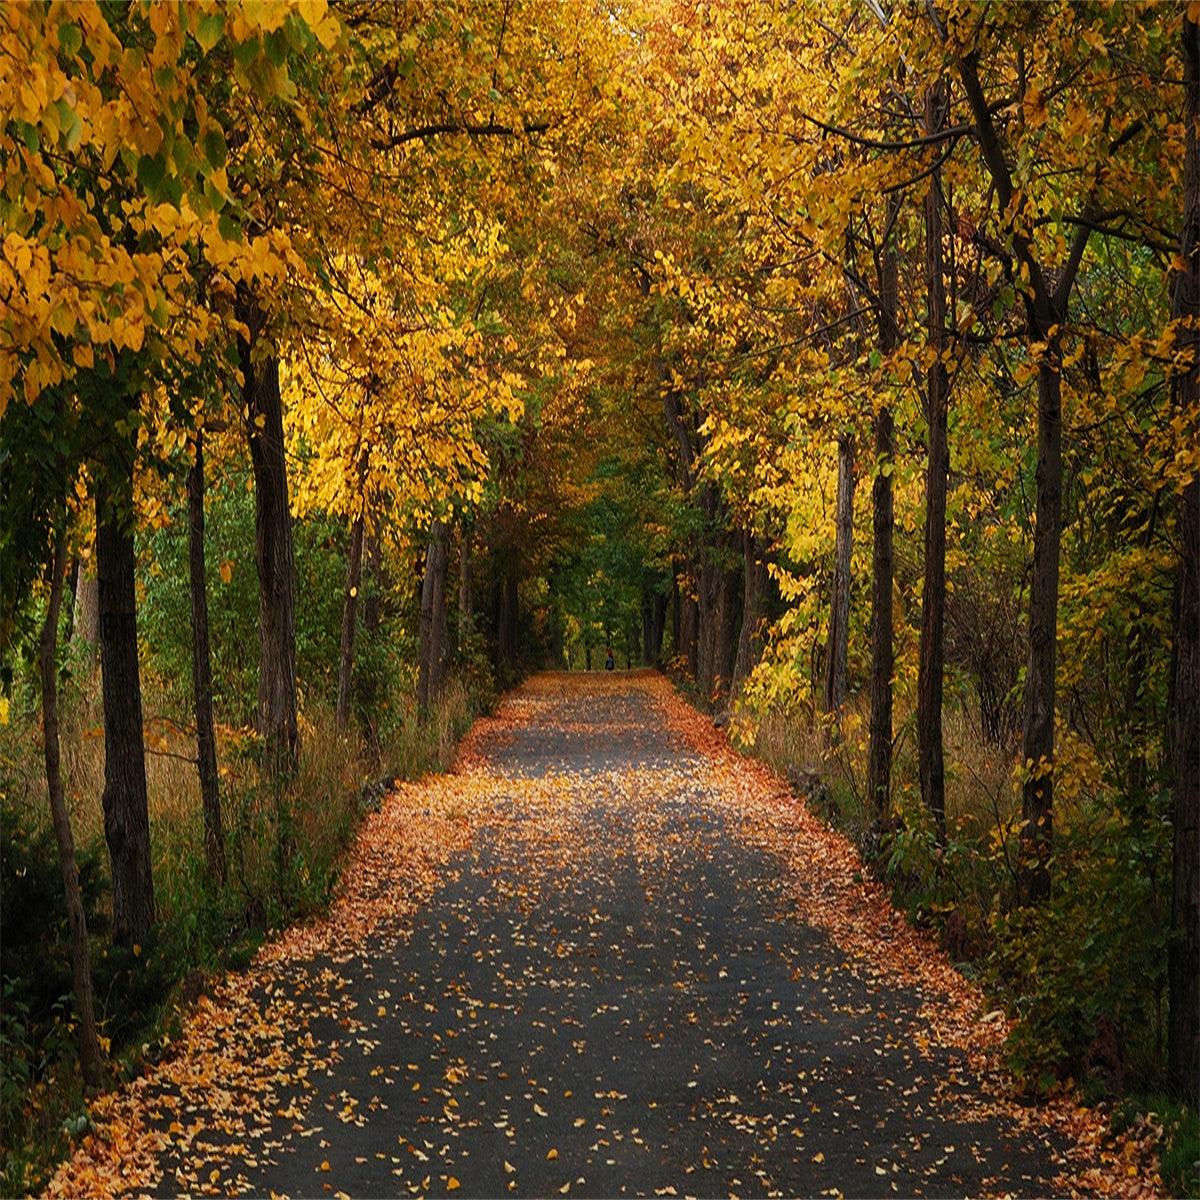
676, 615
202, 687
85, 624
839, 613
432, 656
1037, 802
349, 616
372, 601
466, 613
690, 626
126, 810
272, 555
1183, 964
658, 627
724, 634
81, 967
930, 764
754, 594
879, 749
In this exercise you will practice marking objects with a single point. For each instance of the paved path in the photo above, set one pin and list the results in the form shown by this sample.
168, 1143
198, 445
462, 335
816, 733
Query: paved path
609, 993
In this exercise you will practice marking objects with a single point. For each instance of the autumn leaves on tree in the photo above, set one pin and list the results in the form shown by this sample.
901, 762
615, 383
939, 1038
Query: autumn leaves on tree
586, 325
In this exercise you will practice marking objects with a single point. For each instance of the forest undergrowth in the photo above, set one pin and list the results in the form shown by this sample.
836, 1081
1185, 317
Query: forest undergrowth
205, 928
1085, 981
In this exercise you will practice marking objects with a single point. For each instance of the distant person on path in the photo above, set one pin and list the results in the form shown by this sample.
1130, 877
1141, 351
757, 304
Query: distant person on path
610, 663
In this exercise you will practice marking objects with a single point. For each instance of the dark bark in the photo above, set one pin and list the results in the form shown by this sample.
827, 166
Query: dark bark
754, 596
689, 625
930, 762
1183, 964
1038, 737
657, 627
676, 614
81, 966
879, 748
126, 811
349, 620
724, 632
839, 612
466, 600
272, 553
432, 654
202, 686
647, 628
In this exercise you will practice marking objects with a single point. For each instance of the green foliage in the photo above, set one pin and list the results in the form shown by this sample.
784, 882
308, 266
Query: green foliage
164, 615
1085, 974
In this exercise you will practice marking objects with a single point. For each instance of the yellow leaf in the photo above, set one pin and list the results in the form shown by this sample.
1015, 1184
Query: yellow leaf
324, 1165
551, 1153
819, 1157
452, 1184
328, 31
226, 570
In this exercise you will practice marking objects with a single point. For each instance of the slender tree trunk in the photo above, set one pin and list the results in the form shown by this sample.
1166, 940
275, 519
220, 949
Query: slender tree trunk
931, 767
1183, 965
272, 554
1037, 802
879, 749
676, 614
839, 614
81, 966
349, 618
126, 810
432, 657
202, 686
465, 596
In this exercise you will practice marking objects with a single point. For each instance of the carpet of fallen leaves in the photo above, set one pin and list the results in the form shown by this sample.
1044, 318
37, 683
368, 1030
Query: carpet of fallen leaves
247, 1072
245, 1055
857, 913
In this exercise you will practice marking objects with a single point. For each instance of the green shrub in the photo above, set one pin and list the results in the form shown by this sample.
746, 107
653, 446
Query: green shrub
1085, 973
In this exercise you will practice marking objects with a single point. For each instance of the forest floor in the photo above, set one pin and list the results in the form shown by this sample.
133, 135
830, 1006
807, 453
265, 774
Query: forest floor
605, 956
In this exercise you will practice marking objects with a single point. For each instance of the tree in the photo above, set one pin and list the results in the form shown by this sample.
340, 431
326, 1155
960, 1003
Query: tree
81, 967
1183, 1035
931, 768
202, 684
